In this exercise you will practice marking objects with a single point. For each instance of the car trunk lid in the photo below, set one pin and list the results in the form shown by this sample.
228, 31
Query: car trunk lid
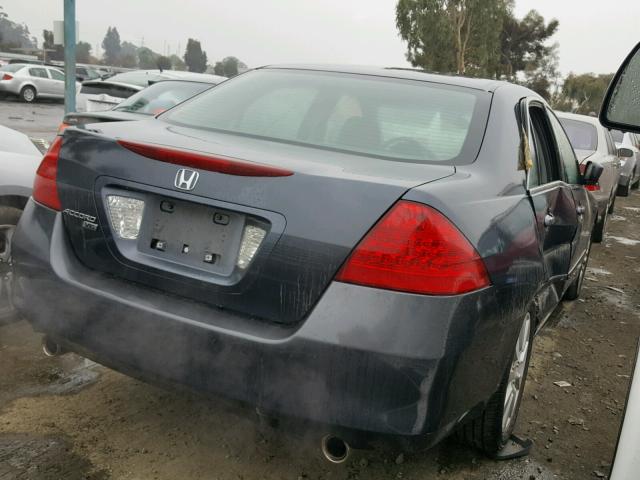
310, 220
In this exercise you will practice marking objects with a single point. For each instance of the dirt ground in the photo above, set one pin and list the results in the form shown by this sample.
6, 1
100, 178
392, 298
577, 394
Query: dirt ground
68, 418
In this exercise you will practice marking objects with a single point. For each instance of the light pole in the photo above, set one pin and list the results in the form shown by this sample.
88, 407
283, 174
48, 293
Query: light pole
69, 56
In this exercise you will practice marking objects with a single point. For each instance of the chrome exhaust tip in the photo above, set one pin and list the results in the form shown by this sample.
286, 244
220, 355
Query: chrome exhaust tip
51, 348
335, 449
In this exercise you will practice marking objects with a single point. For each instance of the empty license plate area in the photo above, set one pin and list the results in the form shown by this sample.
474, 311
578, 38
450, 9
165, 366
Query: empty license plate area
194, 235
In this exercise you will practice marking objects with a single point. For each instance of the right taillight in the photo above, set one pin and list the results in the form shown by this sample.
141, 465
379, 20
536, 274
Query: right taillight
416, 249
45, 186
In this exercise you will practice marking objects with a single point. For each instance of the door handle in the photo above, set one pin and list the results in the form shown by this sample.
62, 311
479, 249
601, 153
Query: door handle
549, 220
580, 210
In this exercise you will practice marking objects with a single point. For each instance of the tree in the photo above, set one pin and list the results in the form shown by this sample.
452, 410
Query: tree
194, 57
14, 35
584, 93
146, 58
83, 52
177, 63
57, 51
461, 36
523, 44
163, 63
218, 69
111, 46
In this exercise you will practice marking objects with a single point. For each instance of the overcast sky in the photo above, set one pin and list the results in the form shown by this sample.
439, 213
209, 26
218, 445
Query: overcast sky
594, 36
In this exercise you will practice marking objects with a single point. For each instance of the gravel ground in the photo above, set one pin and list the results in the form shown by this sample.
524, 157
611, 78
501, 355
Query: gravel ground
39, 120
69, 418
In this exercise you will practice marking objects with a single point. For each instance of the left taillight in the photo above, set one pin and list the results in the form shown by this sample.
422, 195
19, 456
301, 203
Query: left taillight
45, 186
6, 76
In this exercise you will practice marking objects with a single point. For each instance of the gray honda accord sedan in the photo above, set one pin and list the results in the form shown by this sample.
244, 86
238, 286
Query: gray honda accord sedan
369, 249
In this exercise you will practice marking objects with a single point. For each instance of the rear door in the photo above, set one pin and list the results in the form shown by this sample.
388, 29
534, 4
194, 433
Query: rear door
573, 178
57, 82
553, 202
41, 80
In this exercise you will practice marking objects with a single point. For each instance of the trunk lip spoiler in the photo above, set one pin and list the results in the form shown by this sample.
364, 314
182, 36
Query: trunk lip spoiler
204, 161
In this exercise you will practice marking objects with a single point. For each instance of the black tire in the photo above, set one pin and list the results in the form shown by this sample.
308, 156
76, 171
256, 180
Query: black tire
573, 292
487, 432
612, 205
635, 185
623, 190
28, 94
8, 216
600, 228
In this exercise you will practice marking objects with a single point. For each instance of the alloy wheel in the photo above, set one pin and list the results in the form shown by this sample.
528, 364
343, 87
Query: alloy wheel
516, 380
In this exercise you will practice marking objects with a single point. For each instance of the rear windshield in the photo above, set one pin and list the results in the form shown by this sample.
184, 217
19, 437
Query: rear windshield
141, 79
13, 68
395, 119
107, 88
583, 135
161, 96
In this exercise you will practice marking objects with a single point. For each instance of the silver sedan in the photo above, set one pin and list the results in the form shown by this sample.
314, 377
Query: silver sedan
30, 82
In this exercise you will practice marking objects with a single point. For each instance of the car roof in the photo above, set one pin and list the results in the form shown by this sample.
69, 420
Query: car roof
487, 85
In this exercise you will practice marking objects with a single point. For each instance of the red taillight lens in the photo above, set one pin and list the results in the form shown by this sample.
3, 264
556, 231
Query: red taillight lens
230, 166
62, 127
593, 188
6, 76
416, 249
45, 187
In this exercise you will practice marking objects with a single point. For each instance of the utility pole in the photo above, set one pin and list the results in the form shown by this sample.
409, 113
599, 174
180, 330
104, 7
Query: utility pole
69, 56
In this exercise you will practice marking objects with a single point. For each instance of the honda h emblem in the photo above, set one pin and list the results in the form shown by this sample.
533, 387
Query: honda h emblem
186, 179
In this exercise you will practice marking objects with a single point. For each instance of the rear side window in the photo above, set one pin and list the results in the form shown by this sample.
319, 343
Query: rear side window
567, 155
161, 96
56, 75
38, 72
617, 135
583, 135
546, 157
611, 146
394, 119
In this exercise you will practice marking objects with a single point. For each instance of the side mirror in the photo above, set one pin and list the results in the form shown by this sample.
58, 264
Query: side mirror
624, 152
592, 173
621, 106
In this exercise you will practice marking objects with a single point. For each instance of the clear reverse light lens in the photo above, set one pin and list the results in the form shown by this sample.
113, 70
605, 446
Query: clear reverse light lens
126, 216
251, 240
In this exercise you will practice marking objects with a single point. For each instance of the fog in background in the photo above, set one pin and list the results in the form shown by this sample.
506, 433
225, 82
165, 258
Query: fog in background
593, 36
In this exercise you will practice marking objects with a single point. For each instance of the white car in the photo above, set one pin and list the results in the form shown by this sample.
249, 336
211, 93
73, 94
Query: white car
19, 160
101, 95
630, 173
31, 82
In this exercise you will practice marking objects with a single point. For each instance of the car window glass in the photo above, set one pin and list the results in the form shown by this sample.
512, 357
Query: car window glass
373, 116
56, 75
567, 155
611, 148
38, 72
617, 135
12, 68
548, 162
582, 135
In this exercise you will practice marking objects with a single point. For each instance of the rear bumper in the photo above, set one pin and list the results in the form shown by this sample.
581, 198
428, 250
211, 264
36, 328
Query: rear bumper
364, 359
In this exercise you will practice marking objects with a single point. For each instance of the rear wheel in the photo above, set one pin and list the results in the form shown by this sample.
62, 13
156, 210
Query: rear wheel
9, 217
491, 431
573, 292
28, 94
600, 227
637, 184
612, 205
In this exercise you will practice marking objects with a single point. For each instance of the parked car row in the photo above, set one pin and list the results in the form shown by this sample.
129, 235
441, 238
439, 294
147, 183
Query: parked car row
365, 240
